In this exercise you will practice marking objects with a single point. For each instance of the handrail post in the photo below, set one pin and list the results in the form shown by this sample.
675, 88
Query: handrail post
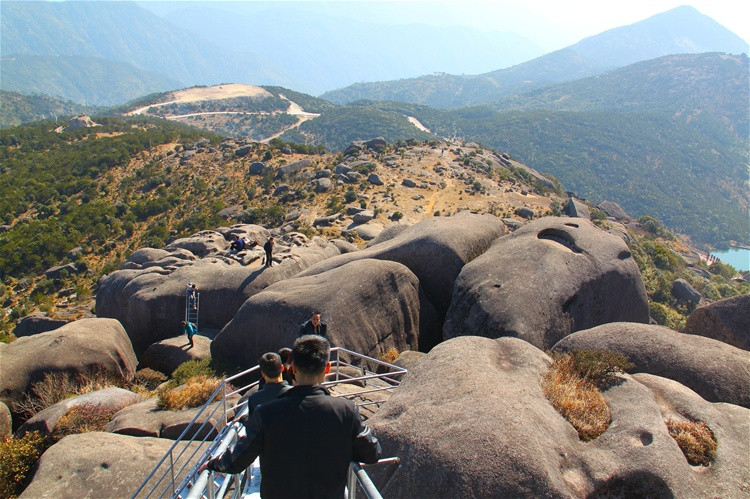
224, 401
351, 480
171, 470
210, 486
338, 364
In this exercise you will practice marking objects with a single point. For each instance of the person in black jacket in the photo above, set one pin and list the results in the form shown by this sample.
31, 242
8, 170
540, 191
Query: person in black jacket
314, 326
305, 438
268, 247
271, 370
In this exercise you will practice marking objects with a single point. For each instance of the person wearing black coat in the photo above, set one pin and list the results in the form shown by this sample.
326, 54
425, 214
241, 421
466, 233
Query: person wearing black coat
305, 438
314, 326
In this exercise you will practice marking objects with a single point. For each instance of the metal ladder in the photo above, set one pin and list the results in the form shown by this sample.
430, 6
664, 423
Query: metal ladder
192, 307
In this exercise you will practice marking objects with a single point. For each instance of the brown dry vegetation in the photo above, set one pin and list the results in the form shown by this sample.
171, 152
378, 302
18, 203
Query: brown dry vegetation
576, 398
194, 393
82, 419
55, 387
695, 439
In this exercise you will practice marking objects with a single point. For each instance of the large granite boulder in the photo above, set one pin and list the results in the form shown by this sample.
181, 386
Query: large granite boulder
79, 347
150, 301
6, 422
496, 435
35, 323
108, 399
294, 167
167, 355
726, 320
435, 250
146, 419
546, 280
97, 464
577, 209
201, 244
369, 306
683, 291
718, 372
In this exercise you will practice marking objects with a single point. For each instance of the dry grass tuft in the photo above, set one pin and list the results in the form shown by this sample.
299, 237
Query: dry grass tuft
696, 440
58, 386
576, 398
82, 419
389, 355
194, 393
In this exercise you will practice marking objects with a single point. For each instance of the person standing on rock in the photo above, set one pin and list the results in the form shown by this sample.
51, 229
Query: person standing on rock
269, 251
189, 329
305, 438
314, 326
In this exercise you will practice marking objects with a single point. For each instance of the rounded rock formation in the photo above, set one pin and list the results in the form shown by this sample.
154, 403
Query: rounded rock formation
546, 280
718, 372
369, 306
726, 320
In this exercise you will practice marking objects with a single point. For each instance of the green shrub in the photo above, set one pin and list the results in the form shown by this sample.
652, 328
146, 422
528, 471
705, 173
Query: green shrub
350, 196
17, 456
193, 368
600, 366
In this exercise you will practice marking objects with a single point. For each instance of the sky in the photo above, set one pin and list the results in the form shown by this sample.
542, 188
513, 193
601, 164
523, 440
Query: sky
551, 24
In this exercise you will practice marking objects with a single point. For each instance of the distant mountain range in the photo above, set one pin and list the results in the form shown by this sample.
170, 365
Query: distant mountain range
678, 31
87, 41
16, 108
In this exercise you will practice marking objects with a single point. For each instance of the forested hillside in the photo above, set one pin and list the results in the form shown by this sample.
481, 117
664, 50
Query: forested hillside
16, 108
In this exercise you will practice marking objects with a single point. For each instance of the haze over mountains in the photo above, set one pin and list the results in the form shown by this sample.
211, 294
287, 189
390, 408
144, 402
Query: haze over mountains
653, 115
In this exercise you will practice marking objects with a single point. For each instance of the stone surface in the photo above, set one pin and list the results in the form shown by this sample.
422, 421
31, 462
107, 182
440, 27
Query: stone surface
435, 250
496, 435
294, 167
576, 208
146, 419
96, 464
684, 292
78, 347
35, 323
369, 306
613, 210
150, 302
6, 421
726, 320
546, 280
718, 372
167, 355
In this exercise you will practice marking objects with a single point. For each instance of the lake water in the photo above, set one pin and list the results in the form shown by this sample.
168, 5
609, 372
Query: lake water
738, 258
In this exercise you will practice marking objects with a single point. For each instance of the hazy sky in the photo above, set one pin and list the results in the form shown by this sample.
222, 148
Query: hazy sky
552, 24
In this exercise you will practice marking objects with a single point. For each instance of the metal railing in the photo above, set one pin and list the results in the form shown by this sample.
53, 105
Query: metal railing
175, 475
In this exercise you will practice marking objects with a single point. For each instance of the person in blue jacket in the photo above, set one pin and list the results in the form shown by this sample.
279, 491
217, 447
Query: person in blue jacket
189, 329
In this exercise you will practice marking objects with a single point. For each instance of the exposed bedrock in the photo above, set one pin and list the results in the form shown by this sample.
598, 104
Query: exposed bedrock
148, 296
471, 420
717, 371
368, 306
546, 280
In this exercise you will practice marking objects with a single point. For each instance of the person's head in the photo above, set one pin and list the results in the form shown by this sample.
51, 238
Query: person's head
315, 318
310, 355
184, 323
271, 366
193, 286
286, 355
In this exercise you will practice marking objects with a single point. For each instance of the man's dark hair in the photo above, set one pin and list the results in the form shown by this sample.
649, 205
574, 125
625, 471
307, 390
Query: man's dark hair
315, 312
286, 355
270, 364
310, 353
